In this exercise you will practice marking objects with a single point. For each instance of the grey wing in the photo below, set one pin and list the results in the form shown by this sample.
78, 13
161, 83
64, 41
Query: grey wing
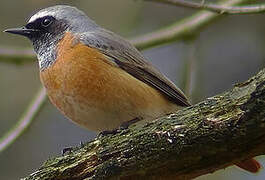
127, 57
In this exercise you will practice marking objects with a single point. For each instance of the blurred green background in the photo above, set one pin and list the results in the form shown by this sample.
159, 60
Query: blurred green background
226, 52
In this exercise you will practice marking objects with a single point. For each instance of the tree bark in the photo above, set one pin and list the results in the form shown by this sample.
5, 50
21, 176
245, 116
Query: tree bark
211, 135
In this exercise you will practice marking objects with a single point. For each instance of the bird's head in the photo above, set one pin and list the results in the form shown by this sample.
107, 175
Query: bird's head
48, 26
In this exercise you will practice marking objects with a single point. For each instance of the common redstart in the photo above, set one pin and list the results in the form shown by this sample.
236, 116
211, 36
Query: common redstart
95, 77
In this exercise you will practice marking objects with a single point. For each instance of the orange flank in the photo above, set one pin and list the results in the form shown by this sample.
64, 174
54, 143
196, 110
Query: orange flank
95, 93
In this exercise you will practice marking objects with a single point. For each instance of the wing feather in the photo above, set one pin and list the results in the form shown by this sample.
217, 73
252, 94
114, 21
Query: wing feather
128, 58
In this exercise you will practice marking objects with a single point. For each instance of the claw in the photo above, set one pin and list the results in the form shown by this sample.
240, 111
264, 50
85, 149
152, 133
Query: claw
67, 150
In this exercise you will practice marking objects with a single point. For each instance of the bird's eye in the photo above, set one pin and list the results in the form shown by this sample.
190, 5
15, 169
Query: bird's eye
46, 22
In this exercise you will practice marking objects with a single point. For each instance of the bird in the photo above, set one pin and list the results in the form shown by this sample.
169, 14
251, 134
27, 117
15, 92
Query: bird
95, 77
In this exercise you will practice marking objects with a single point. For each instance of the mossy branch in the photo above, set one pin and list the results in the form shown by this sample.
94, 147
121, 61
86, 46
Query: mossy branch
216, 133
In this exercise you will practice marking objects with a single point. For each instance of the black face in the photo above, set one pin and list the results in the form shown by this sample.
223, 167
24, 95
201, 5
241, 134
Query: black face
42, 27
44, 32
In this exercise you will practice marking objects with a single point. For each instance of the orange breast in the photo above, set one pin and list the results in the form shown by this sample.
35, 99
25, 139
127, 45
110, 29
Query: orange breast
93, 92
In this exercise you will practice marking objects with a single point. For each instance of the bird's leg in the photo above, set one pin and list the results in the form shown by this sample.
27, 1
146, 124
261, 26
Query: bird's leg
81, 144
67, 150
70, 149
123, 126
126, 124
108, 132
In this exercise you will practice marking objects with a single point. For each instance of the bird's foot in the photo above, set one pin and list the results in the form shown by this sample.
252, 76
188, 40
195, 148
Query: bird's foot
122, 127
70, 149
81, 144
67, 150
126, 124
107, 132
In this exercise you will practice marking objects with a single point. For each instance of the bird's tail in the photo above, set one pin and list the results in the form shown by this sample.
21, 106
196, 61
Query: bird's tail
250, 165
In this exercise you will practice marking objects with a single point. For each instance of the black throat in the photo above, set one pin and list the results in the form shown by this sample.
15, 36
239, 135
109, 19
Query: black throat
45, 48
45, 41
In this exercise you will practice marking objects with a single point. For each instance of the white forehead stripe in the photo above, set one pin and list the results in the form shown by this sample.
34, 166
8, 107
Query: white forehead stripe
40, 15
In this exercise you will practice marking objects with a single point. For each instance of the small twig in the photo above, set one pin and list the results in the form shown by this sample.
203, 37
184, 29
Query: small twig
181, 29
16, 52
24, 121
189, 69
16, 55
253, 9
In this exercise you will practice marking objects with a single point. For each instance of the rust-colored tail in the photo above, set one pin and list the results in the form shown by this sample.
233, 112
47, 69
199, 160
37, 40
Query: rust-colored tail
250, 165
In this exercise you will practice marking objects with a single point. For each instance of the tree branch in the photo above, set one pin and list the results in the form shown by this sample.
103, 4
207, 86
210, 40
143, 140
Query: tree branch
186, 28
16, 55
253, 9
25, 120
197, 140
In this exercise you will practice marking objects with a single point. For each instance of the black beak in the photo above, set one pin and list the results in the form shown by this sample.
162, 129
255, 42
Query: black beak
22, 31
